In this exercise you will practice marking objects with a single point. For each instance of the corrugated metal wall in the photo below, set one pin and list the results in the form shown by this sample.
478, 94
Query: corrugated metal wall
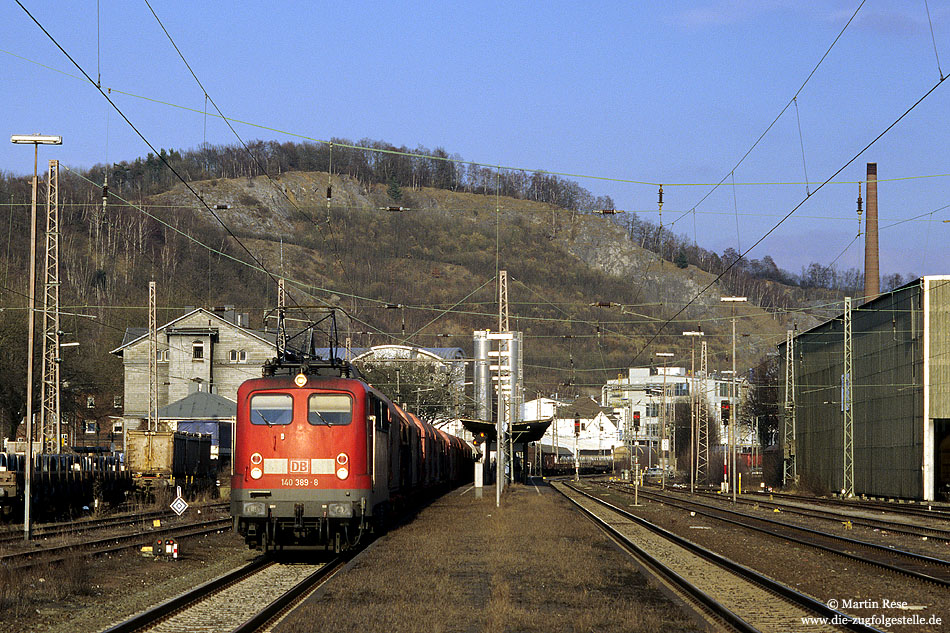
888, 407
939, 291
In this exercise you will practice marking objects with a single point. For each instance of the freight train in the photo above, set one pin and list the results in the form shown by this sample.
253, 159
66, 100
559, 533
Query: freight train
62, 486
321, 458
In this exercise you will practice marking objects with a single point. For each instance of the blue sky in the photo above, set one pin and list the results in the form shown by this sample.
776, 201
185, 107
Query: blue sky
656, 92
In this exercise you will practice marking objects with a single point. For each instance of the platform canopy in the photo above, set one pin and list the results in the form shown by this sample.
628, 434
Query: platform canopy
524, 432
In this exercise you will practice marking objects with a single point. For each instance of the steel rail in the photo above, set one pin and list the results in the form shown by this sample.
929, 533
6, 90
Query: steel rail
838, 516
934, 510
921, 558
799, 599
152, 615
700, 596
287, 600
64, 528
108, 545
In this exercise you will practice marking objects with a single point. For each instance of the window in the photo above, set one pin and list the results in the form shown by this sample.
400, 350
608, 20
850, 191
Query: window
724, 390
379, 410
332, 409
90, 402
242, 356
237, 356
233, 355
90, 427
161, 355
116, 427
272, 409
198, 350
652, 410
116, 402
681, 389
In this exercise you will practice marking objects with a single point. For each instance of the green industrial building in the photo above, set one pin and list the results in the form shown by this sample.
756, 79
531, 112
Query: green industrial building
897, 397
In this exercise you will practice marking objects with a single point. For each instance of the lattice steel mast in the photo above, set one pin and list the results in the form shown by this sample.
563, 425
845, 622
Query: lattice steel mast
846, 404
702, 453
50, 412
790, 474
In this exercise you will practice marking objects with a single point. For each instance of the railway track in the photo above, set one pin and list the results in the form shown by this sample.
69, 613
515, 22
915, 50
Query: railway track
97, 547
932, 510
723, 590
919, 566
242, 601
83, 526
840, 515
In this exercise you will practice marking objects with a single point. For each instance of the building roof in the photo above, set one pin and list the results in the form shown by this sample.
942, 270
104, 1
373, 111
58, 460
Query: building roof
200, 405
135, 334
583, 407
361, 353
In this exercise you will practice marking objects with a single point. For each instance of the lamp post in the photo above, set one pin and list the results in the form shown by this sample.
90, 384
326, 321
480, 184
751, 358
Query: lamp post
35, 140
732, 396
693, 426
664, 442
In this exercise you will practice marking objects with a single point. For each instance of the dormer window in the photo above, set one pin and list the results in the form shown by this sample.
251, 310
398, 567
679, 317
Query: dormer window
198, 350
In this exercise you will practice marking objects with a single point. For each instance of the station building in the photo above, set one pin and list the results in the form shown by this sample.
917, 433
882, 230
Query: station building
899, 396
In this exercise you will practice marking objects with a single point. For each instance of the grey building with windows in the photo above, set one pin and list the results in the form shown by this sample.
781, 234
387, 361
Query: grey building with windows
210, 351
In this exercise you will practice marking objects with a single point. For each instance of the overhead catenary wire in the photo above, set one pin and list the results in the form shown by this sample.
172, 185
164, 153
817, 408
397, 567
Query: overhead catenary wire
801, 141
263, 170
797, 206
933, 39
782, 111
147, 142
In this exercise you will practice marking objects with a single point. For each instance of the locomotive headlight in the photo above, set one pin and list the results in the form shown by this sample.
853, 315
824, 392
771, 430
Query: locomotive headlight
256, 473
254, 509
341, 470
256, 459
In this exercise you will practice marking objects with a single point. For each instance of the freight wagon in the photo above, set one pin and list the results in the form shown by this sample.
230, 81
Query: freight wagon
63, 485
163, 459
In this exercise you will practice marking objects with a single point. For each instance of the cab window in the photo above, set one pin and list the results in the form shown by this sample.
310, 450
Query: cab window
272, 409
330, 409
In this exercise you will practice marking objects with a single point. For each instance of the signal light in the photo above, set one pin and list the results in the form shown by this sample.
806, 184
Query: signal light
577, 426
478, 438
724, 411
636, 420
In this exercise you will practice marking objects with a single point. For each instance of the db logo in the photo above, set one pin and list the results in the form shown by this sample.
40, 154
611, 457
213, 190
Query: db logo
299, 465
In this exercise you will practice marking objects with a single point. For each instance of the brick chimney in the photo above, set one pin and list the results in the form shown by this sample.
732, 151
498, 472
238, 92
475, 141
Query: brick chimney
872, 273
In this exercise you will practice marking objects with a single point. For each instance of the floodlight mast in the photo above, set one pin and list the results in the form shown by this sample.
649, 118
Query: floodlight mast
733, 396
35, 140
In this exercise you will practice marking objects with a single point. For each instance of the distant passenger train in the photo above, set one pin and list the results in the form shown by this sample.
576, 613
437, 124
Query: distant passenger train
321, 458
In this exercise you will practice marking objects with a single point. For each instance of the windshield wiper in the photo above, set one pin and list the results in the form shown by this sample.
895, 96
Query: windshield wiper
319, 415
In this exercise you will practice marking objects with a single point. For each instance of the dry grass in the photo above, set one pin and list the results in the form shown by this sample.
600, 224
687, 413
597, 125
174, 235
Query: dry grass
39, 587
466, 566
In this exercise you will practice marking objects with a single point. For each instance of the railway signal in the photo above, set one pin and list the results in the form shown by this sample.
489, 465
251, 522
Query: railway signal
724, 411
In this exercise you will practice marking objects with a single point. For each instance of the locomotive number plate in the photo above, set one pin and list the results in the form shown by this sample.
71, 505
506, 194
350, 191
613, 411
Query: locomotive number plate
298, 482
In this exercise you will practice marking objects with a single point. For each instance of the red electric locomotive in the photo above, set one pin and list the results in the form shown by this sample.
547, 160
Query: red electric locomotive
321, 457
